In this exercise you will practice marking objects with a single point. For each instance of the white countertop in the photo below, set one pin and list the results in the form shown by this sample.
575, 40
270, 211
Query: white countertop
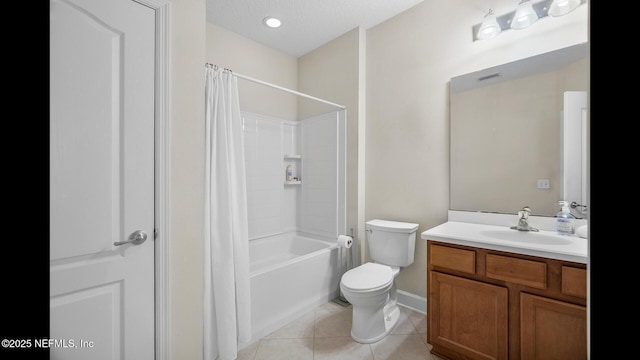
542, 243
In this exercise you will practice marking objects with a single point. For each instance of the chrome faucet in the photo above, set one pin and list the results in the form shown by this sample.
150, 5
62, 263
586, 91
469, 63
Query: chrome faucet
523, 222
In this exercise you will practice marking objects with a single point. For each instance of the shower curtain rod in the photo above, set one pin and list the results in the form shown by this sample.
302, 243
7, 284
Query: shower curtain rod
280, 87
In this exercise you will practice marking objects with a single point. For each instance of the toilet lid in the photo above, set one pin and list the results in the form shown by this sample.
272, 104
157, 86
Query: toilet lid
369, 276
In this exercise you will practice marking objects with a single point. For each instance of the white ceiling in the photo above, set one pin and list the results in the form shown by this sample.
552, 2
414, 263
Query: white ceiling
306, 24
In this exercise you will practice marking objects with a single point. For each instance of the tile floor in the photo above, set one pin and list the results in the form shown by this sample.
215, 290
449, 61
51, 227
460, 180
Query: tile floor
323, 334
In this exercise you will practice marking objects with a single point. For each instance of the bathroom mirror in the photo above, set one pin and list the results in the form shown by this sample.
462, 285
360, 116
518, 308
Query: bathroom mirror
518, 136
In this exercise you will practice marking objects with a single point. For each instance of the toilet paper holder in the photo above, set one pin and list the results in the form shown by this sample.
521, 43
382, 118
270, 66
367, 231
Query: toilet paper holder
345, 250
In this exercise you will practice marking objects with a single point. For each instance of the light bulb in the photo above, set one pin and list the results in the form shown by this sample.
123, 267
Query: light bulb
562, 7
489, 28
525, 15
272, 22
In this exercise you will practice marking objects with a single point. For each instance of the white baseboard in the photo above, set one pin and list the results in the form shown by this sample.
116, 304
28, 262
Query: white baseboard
412, 301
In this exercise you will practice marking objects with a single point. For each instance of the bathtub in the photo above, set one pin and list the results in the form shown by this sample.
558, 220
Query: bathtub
290, 276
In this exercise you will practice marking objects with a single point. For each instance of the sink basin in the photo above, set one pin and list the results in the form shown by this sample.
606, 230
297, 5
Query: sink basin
531, 237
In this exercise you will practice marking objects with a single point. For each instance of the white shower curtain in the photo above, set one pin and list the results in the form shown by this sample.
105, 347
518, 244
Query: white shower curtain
227, 301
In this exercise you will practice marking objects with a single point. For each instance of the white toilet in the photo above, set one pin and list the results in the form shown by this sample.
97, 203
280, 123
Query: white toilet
370, 287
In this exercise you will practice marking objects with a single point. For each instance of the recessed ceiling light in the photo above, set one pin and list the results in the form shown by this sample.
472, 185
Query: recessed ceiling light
272, 22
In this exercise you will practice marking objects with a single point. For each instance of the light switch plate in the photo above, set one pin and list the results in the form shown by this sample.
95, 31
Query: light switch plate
544, 184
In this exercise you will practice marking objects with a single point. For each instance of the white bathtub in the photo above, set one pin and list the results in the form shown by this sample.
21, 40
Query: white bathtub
290, 276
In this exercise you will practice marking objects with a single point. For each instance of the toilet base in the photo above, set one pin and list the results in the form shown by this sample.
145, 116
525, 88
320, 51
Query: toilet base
391, 316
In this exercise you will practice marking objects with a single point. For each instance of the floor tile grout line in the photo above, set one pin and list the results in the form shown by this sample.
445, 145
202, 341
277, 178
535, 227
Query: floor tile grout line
255, 354
317, 312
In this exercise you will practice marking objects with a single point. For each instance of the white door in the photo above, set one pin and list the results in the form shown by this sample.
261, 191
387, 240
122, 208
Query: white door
574, 149
101, 179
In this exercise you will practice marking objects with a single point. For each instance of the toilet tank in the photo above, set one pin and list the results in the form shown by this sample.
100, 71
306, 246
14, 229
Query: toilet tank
391, 242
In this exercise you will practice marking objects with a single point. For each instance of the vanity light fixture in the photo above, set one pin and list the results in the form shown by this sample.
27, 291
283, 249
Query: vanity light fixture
490, 27
272, 22
525, 15
563, 7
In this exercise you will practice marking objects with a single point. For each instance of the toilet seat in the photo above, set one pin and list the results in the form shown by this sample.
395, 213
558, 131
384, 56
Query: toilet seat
368, 277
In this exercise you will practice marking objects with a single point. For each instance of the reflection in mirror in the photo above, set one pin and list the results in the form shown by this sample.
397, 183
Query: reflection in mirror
518, 135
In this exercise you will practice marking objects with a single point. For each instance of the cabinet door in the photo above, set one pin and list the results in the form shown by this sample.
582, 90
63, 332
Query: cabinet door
552, 329
468, 317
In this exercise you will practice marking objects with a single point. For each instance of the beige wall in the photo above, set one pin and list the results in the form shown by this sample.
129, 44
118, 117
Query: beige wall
247, 57
332, 72
410, 59
187, 177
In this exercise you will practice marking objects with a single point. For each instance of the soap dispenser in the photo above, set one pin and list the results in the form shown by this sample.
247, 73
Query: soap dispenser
565, 220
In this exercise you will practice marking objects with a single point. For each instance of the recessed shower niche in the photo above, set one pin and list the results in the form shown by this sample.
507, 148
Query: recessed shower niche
314, 199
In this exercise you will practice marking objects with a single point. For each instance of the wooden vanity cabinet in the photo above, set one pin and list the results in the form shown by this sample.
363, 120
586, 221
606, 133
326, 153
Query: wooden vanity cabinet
487, 304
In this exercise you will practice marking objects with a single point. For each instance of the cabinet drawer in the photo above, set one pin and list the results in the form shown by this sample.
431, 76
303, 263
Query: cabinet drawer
519, 271
453, 259
574, 281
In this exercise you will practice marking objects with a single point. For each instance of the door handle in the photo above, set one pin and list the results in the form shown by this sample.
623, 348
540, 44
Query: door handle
136, 238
